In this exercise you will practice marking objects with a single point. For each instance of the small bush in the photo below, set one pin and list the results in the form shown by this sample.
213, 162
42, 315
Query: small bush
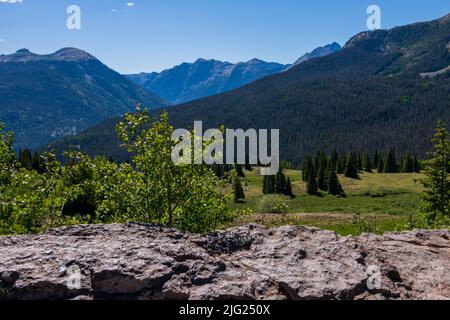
274, 203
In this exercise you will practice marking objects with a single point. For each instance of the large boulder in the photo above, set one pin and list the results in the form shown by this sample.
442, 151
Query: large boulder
134, 261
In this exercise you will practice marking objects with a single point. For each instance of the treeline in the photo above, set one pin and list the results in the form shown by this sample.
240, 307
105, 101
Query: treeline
320, 171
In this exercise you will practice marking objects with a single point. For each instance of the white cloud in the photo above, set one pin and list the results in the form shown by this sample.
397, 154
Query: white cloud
130, 4
11, 1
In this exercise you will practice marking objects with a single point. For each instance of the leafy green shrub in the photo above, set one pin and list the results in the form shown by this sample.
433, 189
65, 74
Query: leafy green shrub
366, 224
151, 190
183, 195
274, 203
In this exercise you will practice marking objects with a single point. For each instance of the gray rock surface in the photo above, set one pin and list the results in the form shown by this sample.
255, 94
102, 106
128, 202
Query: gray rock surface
135, 261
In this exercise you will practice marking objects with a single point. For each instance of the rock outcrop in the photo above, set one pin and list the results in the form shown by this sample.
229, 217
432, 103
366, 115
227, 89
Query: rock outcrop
135, 261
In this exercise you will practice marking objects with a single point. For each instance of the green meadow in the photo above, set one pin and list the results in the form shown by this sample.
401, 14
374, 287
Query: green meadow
376, 202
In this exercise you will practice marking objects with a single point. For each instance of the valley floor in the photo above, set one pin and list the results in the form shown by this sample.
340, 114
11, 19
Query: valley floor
375, 203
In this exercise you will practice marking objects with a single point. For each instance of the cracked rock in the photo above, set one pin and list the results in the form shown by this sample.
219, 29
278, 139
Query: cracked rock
136, 261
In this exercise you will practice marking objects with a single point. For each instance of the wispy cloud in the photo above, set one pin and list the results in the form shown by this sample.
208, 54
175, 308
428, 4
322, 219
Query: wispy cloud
11, 1
130, 4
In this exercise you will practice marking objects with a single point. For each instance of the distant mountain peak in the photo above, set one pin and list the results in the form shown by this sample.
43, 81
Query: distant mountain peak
23, 51
64, 54
72, 54
334, 45
318, 53
203, 60
255, 61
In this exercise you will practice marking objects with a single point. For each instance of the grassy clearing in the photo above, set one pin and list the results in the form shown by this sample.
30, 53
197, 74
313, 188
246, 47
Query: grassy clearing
375, 203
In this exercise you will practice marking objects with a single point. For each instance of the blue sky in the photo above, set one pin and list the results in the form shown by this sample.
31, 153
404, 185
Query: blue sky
153, 35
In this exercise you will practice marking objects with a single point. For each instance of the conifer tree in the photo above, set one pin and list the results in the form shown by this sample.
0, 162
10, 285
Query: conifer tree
320, 160
351, 170
280, 182
288, 189
334, 187
271, 185
305, 168
26, 159
417, 166
247, 165
311, 186
322, 179
367, 163
436, 198
265, 183
334, 159
36, 163
408, 164
376, 158
359, 162
238, 191
390, 165
342, 163
240, 171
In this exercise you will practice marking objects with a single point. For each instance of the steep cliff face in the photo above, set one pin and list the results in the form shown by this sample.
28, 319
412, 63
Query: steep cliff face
148, 262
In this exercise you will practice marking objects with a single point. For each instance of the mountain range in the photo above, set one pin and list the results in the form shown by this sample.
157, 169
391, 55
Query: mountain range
47, 97
203, 78
385, 89
191, 81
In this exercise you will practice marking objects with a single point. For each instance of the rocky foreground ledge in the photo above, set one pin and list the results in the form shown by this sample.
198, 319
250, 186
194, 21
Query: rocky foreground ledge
148, 262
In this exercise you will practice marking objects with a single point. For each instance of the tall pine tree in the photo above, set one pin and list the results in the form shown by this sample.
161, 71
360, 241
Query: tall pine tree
390, 165
322, 178
288, 190
307, 163
436, 199
351, 170
311, 186
376, 158
367, 163
380, 167
238, 191
334, 187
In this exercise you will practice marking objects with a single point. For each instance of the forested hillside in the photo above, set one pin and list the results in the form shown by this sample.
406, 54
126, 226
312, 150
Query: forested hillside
44, 98
369, 96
